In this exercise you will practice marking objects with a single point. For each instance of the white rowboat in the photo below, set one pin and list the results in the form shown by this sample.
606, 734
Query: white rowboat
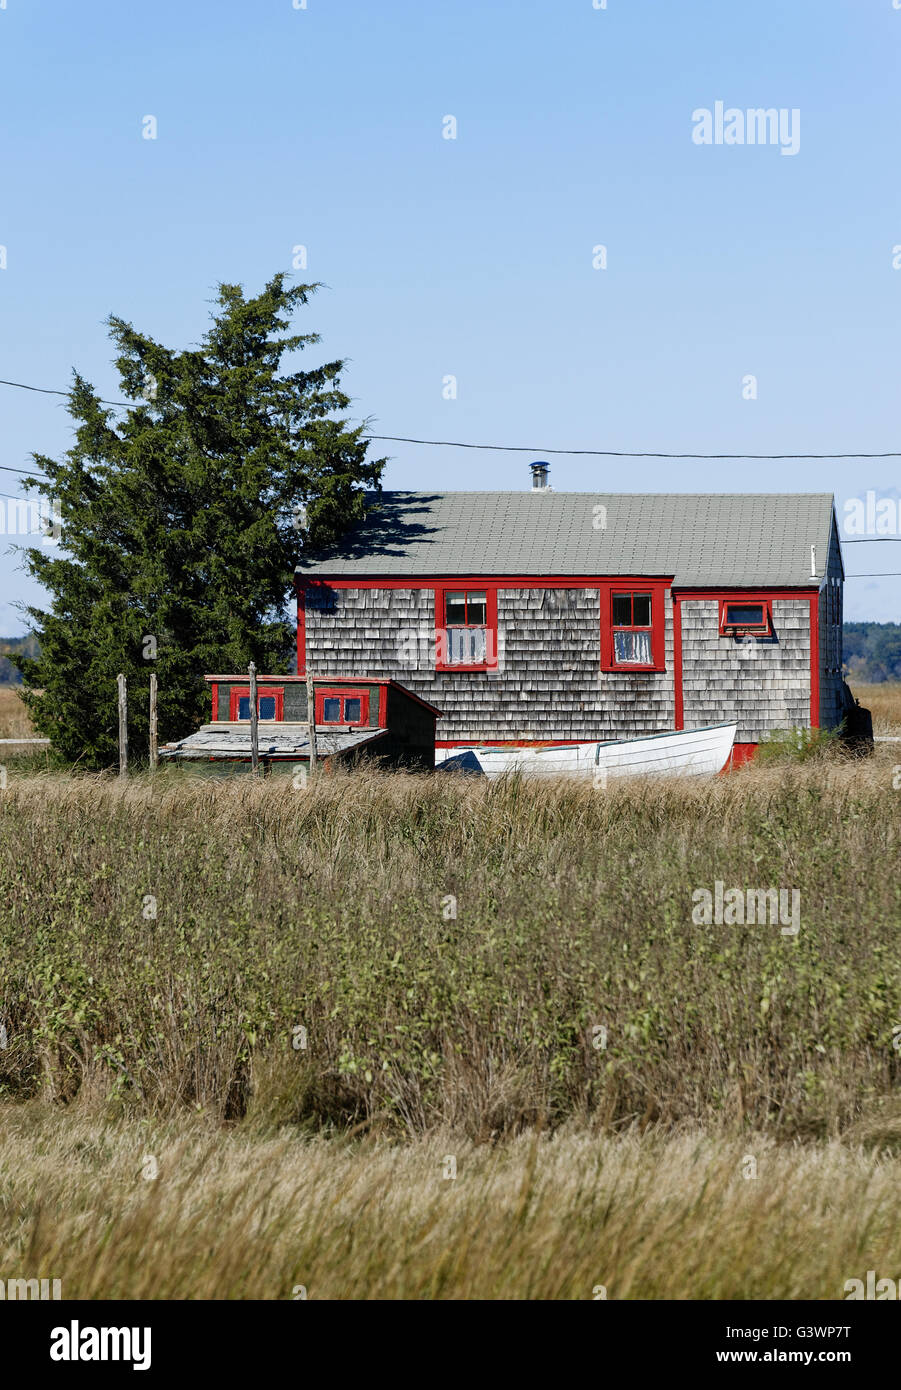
687, 753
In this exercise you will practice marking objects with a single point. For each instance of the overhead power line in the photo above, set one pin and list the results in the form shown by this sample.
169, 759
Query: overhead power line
24, 471
51, 391
612, 453
521, 448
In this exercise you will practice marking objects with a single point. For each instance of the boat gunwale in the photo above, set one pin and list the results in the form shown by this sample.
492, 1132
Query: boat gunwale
593, 743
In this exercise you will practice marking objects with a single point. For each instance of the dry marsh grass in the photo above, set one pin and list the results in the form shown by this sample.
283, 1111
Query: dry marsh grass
14, 721
883, 702
239, 1216
295, 1007
415, 952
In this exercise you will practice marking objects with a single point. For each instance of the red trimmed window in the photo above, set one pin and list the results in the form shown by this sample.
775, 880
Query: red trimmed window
270, 703
342, 707
746, 615
466, 622
632, 627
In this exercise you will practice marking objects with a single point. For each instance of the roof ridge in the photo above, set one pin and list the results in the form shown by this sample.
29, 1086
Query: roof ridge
555, 492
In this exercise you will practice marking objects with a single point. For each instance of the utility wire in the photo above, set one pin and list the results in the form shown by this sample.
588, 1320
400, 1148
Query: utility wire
50, 391
534, 449
519, 448
613, 453
24, 471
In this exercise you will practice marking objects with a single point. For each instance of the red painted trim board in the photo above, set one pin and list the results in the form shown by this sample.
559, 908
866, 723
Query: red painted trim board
815, 662
678, 698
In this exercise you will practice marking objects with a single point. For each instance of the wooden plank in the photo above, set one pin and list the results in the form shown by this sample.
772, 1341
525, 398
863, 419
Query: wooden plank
154, 728
254, 718
123, 725
311, 720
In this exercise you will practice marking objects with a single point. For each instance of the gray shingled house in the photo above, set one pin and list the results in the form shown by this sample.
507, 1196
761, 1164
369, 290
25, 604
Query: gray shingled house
547, 616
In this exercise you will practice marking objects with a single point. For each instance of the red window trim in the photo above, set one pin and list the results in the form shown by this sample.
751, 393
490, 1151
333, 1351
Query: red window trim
763, 629
237, 691
658, 624
321, 696
455, 587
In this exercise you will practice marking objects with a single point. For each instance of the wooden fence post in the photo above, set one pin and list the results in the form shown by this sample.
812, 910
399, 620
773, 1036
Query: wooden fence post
311, 721
154, 742
254, 718
123, 726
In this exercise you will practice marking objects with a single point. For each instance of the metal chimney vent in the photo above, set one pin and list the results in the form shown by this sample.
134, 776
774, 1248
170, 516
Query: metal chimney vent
539, 476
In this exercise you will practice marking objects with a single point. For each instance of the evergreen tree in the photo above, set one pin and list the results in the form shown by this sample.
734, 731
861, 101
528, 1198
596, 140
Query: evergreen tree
181, 523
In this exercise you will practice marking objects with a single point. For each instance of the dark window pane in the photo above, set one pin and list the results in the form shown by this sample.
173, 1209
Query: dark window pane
476, 610
622, 610
331, 711
267, 706
352, 710
454, 609
243, 706
641, 610
751, 613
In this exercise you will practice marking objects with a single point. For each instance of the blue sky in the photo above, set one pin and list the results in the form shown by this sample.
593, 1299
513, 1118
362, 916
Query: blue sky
473, 257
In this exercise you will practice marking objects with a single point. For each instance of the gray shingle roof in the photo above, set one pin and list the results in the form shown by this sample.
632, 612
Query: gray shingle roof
701, 539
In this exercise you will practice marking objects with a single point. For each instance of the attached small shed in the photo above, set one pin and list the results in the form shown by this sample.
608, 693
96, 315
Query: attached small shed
354, 716
542, 616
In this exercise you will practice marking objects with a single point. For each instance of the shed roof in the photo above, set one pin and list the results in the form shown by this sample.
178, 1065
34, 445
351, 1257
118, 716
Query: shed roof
210, 742
700, 539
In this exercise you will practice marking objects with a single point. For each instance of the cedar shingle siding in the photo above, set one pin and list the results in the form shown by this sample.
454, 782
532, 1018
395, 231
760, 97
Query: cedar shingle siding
763, 683
549, 683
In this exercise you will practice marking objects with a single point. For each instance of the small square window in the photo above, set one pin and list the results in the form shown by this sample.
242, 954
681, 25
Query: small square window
740, 616
270, 703
338, 708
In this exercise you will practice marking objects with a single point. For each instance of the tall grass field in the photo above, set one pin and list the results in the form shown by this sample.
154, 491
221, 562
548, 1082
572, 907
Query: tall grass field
431, 1037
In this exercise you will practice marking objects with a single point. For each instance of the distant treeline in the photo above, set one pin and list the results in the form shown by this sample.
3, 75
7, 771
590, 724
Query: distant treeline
872, 652
8, 673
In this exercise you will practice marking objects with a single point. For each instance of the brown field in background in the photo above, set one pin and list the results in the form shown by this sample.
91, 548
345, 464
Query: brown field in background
14, 721
884, 703
307, 1007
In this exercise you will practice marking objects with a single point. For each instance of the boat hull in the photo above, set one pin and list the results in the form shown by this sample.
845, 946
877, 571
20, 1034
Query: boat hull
683, 753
